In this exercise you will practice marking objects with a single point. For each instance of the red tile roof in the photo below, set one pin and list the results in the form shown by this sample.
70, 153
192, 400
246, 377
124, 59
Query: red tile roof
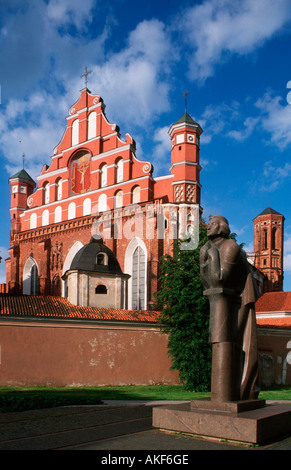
28, 306
274, 302
279, 322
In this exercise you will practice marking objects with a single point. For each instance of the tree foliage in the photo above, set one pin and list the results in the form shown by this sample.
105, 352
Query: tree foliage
185, 315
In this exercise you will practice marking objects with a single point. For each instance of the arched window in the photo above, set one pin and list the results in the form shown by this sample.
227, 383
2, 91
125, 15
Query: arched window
136, 195
46, 189
138, 279
87, 206
33, 221
72, 211
59, 189
45, 217
34, 280
75, 132
265, 239
102, 203
119, 170
274, 238
58, 214
92, 121
118, 199
30, 277
101, 289
135, 264
103, 175
101, 259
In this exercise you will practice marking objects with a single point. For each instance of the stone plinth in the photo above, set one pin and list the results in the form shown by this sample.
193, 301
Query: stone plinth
253, 424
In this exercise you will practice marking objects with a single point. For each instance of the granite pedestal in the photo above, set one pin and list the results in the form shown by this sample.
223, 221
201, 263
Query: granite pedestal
250, 421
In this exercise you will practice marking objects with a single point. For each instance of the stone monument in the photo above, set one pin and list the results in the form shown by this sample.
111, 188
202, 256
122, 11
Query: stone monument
234, 410
232, 293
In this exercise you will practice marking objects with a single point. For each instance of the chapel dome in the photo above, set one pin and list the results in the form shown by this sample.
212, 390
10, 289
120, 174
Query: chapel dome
96, 257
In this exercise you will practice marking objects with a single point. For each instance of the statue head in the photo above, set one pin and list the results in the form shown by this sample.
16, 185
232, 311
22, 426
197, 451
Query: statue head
218, 227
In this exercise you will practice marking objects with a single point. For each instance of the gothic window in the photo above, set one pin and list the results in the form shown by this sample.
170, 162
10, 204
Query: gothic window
92, 120
274, 238
72, 211
138, 279
34, 280
75, 132
103, 175
118, 199
136, 195
59, 189
119, 170
58, 214
101, 289
30, 277
265, 239
33, 221
87, 206
46, 189
135, 264
45, 217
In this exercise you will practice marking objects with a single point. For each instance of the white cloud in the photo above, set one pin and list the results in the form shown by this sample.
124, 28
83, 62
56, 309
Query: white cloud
217, 118
229, 27
246, 131
70, 11
287, 262
30, 127
276, 119
273, 176
287, 252
133, 81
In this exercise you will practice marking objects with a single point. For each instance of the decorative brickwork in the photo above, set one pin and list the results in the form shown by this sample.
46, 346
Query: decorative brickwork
96, 186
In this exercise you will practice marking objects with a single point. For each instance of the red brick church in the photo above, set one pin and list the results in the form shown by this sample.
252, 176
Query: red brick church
83, 264
96, 183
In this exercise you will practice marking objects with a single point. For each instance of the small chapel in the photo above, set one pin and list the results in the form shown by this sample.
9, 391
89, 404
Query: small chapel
86, 241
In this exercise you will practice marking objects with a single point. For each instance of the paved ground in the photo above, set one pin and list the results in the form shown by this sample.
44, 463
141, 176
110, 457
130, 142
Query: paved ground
112, 426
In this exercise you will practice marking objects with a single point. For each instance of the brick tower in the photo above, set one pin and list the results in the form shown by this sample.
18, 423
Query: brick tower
185, 167
268, 247
22, 186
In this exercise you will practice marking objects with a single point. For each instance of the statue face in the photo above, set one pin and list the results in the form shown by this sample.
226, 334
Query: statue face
213, 228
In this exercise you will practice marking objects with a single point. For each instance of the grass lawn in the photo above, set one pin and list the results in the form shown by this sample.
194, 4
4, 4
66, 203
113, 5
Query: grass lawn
19, 399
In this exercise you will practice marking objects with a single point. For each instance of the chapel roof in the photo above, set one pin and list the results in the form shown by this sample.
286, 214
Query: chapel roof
85, 259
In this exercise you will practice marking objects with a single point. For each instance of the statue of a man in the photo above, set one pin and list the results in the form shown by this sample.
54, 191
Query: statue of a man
232, 293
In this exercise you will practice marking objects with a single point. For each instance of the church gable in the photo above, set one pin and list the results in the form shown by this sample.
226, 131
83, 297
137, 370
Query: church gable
90, 159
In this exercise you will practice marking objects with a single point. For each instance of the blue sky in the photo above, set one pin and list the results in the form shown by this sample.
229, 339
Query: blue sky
232, 56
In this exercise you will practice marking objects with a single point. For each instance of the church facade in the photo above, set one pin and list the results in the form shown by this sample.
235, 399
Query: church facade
95, 186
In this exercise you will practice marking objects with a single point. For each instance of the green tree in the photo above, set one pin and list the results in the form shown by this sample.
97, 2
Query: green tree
185, 315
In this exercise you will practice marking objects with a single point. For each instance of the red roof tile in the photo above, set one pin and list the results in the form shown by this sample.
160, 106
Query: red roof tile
280, 322
274, 302
61, 308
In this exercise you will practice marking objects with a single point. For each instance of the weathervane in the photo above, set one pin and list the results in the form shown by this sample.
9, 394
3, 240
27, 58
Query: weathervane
185, 96
23, 158
86, 75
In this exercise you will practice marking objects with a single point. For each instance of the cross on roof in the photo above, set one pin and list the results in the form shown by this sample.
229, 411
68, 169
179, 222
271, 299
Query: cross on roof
86, 75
